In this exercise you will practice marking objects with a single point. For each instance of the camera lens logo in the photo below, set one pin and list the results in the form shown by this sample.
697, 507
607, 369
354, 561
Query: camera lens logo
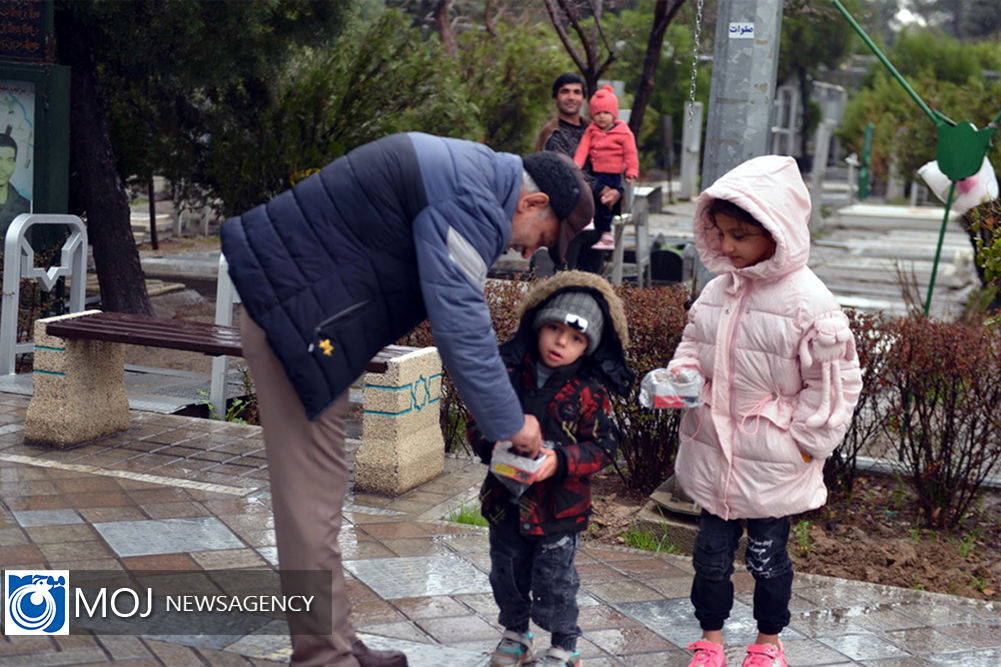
35, 602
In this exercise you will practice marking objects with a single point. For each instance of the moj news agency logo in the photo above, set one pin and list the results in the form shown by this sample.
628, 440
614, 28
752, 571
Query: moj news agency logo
35, 602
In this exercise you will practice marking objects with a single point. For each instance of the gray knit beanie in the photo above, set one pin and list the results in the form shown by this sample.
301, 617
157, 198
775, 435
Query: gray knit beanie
575, 309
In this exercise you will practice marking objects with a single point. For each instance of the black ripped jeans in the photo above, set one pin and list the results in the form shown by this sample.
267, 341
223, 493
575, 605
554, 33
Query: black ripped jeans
767, 560
535, 578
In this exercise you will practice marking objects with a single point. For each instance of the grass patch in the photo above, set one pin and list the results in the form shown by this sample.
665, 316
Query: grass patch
469, 514
649, 540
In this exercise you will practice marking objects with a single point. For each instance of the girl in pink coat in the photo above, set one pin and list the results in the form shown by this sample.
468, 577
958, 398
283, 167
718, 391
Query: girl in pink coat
781, 382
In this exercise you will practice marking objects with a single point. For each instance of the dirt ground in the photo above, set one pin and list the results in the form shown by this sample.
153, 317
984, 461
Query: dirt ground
875, 537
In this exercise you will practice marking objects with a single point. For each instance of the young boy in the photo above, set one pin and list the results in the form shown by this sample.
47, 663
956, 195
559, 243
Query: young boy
610, 146
564, 359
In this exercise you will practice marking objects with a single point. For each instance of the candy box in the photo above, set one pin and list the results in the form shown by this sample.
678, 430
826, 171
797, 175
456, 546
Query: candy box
516, 472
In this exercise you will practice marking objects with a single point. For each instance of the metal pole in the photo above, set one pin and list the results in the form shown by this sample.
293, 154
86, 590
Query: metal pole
938, 248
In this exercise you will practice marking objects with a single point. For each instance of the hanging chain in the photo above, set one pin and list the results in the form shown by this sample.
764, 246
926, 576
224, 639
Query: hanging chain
695, 62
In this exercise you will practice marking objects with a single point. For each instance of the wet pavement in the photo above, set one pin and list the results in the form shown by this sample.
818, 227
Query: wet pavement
180, 493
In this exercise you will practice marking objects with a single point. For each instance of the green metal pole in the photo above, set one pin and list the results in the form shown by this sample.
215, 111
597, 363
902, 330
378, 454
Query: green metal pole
882, 59
938, 249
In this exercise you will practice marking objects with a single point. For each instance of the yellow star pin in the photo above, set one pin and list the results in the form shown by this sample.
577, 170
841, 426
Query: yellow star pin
327, 347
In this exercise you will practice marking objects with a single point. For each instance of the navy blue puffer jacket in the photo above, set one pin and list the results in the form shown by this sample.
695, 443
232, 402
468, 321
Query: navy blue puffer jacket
394, 231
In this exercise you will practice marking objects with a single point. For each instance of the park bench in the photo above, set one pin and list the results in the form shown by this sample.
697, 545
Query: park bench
79, 391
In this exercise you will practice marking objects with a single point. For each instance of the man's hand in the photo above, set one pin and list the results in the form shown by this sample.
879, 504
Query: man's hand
528, 440
609, 196
548, 467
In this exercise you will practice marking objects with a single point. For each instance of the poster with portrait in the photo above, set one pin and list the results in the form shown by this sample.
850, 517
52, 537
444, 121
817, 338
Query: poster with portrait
17, 148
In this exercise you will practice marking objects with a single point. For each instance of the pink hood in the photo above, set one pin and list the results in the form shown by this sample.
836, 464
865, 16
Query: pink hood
771, 189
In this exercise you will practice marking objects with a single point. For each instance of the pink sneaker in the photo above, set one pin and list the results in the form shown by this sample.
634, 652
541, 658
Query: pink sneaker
606, 242
765, 655
707, 654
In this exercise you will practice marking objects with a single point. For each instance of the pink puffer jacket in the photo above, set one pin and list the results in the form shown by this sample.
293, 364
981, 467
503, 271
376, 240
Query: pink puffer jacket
778, 357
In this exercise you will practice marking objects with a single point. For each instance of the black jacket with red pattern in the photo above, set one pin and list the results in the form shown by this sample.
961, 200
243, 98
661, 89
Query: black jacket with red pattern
573, 409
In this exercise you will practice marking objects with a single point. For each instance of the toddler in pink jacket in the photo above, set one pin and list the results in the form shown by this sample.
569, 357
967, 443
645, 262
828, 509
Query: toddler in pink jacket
609, 145
781, 382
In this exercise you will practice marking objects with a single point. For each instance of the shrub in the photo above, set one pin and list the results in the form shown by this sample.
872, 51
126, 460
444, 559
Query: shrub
872, 347
656, 317
983, 225
942, 397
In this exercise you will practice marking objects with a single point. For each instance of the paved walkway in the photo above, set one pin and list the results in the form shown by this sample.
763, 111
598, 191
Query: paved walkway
179, 493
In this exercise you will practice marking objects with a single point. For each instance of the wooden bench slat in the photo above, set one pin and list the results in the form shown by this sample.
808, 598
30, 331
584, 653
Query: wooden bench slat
205, 337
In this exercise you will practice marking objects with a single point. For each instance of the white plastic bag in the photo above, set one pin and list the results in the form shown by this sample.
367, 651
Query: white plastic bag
661, 388
973, 191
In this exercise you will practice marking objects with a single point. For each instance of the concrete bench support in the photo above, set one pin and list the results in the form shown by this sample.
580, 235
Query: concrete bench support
402, 446
79, 389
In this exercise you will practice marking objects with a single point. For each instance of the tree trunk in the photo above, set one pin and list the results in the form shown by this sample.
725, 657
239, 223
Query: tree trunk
443, 24
663, 14
95, 181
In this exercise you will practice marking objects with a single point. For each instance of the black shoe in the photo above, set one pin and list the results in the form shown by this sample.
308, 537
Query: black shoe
366, 657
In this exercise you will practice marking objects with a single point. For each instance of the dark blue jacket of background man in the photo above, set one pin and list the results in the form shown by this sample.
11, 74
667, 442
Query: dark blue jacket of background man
396, 230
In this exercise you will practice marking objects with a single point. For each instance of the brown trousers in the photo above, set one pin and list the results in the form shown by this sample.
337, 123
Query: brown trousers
307, 468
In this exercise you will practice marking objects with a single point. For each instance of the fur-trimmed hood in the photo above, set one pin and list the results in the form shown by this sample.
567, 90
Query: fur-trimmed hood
608, 361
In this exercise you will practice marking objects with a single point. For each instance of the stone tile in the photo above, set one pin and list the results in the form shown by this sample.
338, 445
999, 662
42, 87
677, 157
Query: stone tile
176, 561
929, 639
90, 483
108, 564
144, 538
50, 534
102, 514
938, 614
30, 503
456, 629
10, 537
647, 568
228, 558
415, 546
599, 616
429, 654
675, 587
174, 510
123, 647
626, 641
57, 517
375, 612
404, 630
623, 591
863, 646
980, 658
99, 499
419, 576
430, 607
394, 530
67, 551
598, 573
811, 652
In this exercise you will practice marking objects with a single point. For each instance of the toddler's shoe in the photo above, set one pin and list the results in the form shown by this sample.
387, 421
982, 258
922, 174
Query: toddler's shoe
707, 654
558, 657
606, 242
515, 649
765, 655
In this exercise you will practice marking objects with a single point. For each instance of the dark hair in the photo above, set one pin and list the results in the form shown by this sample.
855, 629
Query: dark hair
6, 141
564, 79
727, 207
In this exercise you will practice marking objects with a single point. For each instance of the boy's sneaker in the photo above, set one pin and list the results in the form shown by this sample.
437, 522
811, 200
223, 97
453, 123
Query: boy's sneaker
765, 655
707, 654
515, 649
558, 657
606, 242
